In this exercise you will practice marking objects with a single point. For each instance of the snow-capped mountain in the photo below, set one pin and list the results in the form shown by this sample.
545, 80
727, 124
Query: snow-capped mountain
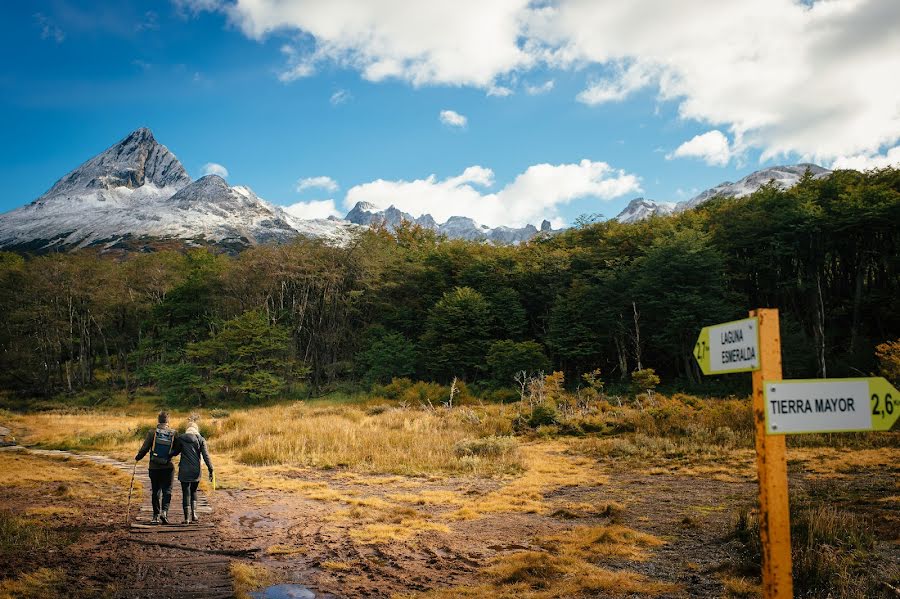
784, 177
456, 227
138, 189
641, 208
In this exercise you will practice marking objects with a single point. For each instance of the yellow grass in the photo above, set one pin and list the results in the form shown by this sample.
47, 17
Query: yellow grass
250, 577
44, 583
284, 550
63, 479
373, 534
409, 441
538, 575
740, 588
399, 441
337, 566
546, 468
588, 542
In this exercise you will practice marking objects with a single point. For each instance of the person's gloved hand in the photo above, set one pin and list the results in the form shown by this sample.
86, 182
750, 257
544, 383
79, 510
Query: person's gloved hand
210, 477
136, 458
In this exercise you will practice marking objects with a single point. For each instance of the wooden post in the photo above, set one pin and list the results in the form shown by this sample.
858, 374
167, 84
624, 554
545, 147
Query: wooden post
774, 515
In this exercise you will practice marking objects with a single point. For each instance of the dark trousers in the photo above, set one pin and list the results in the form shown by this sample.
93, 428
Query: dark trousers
161, 485
188, 495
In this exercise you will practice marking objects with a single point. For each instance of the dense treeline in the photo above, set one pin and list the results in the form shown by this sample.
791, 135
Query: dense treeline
602, 295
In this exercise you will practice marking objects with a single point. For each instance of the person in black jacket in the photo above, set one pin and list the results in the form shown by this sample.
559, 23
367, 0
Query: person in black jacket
160, 474
192, 446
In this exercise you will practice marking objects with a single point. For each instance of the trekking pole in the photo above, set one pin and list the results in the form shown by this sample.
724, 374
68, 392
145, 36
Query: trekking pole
130, 489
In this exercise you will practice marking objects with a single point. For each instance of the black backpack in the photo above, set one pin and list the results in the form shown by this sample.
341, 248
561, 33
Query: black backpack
161, 450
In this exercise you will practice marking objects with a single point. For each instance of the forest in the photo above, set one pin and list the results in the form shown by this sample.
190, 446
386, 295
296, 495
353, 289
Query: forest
602, 297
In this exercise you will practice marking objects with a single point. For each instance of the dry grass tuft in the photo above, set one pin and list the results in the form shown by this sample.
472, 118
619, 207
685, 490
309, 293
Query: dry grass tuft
284, 550
741, 588
538, 575
588, 542
44, 583
249, 578
337, 566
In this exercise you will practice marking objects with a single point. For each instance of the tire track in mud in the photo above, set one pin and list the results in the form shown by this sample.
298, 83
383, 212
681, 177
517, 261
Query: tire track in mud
170, 561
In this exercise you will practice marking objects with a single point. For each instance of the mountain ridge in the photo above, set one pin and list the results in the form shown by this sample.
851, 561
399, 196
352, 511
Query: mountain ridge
784, 176
137, 188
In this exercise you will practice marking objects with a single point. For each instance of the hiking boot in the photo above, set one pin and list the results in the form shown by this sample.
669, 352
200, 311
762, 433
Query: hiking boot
155, 519
194, 517
164, 517
187, 517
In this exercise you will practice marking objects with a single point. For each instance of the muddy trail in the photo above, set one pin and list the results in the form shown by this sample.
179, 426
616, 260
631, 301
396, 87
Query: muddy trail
149, 560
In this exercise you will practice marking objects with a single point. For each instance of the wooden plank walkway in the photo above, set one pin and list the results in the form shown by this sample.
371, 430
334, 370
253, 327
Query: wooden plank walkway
175, 560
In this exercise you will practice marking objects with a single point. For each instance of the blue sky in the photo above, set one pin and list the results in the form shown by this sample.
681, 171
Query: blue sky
214, 82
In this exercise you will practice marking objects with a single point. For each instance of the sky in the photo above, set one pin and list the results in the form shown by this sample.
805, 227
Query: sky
507, 111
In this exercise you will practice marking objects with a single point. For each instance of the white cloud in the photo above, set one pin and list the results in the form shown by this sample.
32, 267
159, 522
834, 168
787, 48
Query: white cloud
712, 147
341, 96
543, 88
615, 89
212, 168
499, 91
323, 182
535, 194
465, 42
452, 118
313, 209
862, 162
817, 80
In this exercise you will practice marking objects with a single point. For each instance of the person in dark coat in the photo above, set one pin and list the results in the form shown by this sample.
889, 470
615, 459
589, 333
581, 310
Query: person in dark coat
160, 474
191, 446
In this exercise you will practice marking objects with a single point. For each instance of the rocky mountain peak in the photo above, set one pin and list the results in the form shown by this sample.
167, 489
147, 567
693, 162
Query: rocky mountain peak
136, 160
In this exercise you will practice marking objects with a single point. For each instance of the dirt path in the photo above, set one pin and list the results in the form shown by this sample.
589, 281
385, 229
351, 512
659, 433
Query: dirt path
162, 561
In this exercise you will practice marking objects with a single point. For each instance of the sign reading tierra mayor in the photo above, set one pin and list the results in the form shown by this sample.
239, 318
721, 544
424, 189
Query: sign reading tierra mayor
729, 347
830, 405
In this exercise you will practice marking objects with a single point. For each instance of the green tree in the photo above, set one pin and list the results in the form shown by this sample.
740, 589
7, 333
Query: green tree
457, 334
386, 355
679, 287
506, 358
249, 358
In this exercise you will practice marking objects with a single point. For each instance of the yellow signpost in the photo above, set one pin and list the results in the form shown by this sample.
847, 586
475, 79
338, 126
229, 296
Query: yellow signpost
787, 407
774, 515
754, 345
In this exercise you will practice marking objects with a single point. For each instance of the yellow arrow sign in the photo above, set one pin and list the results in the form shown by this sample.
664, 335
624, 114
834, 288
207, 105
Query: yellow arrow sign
830, 405
729, 347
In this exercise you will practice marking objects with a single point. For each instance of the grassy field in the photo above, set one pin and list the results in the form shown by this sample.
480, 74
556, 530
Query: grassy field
577, 492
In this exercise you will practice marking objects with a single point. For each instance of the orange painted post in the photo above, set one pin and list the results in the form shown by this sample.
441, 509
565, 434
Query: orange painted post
774, 517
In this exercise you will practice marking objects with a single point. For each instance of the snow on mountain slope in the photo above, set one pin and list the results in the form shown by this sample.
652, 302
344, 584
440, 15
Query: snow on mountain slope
138, 188
784, 177
639, 209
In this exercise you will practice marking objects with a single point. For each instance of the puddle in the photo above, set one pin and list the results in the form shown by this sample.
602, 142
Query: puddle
284, 591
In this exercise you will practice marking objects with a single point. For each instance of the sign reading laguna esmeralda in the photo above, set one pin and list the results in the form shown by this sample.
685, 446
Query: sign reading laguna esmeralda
729, 347
830, 405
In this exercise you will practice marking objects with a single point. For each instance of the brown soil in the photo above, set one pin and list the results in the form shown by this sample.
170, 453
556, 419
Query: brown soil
309, 541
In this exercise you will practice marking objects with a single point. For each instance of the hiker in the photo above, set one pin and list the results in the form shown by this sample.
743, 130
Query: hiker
192, 446
159, 442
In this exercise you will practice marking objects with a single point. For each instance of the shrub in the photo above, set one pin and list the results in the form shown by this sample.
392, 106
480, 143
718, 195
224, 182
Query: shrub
502, 395
644, 381
542, 415
485, 447
888, 354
